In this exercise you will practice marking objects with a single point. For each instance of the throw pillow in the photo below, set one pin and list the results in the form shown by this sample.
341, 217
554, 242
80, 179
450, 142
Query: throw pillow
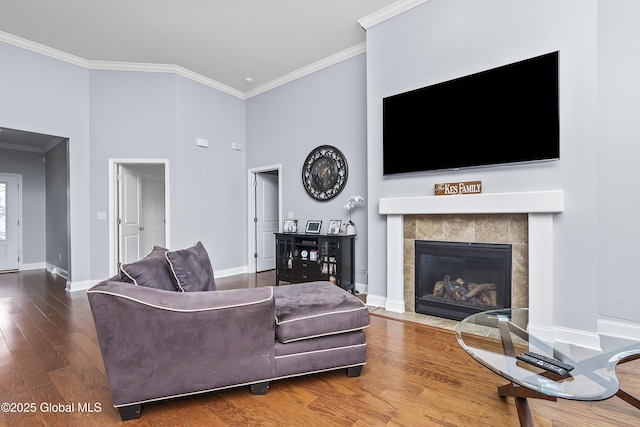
192, 269
152, 271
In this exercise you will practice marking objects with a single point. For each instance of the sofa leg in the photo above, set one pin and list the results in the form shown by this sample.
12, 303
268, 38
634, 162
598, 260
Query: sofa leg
130, 412
260, 388
354, 371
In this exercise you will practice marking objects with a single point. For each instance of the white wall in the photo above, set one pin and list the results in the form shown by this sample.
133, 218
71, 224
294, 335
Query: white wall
112, 114
159, 116
45, 95
444, 39
116, 114
286, 123
619, 139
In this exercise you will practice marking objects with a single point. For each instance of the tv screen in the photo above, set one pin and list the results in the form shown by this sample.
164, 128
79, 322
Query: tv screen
503, 115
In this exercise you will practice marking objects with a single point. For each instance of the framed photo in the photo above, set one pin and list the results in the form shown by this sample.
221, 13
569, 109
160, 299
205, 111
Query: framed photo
334, 227
290, 226
313, 226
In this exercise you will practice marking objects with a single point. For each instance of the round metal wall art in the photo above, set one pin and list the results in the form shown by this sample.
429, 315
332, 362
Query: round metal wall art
325, 172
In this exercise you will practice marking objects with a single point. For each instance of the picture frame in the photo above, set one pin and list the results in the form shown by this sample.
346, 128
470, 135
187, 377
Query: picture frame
334, 227
290, 226
313, 226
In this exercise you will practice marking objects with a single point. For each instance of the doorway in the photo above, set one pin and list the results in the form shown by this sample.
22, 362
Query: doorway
265, 216
41, 164
138, 209
10, 220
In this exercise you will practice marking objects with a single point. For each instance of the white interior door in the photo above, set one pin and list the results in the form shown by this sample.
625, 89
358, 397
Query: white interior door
129, 216
152, 212
267, 214
9, 223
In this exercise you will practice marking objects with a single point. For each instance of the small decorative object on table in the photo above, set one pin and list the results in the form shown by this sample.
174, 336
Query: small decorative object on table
334, 227
290, 226
351, 203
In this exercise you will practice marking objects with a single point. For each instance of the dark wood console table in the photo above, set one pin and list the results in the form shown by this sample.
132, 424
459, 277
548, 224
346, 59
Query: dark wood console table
311, 257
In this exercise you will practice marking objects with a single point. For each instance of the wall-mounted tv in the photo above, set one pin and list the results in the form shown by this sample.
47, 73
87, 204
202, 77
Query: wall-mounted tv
503, 115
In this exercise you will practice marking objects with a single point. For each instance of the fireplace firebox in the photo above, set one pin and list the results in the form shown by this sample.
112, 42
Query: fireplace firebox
456, 279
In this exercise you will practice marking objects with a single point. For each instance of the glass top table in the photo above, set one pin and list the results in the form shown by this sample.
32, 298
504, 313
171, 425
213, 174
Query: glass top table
494, 338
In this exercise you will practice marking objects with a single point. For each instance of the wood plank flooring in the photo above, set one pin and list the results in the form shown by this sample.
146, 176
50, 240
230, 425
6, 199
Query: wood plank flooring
51, 374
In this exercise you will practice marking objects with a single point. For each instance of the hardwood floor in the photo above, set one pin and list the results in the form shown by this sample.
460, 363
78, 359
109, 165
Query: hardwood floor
51, 374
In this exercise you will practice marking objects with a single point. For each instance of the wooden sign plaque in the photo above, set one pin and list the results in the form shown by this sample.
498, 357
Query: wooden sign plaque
451, 188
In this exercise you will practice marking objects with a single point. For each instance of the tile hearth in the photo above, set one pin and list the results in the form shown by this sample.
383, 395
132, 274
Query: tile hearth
437, 322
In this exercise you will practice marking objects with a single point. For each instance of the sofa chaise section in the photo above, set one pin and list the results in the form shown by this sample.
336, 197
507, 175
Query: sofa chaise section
158, 344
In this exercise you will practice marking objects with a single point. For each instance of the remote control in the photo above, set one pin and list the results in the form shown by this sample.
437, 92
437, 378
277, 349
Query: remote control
556, 362
536, 361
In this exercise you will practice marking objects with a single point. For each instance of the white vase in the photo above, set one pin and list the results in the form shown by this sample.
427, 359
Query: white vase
351, 228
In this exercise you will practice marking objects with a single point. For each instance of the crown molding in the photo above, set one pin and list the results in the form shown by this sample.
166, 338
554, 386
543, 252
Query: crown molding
41, 49
115, 66
312, 68
163, 68
175, 69
389, 12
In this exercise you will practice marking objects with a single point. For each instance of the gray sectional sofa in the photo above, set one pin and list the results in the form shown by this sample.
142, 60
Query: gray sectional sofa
160, 342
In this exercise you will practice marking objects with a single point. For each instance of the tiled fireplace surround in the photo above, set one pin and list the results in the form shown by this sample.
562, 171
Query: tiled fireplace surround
484, 228
523, 219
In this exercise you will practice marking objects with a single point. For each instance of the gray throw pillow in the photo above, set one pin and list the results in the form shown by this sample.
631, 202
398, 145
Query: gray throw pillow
152, 271
192, 269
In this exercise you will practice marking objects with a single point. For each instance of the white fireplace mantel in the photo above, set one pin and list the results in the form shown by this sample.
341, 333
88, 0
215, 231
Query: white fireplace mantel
521, 202
541, 206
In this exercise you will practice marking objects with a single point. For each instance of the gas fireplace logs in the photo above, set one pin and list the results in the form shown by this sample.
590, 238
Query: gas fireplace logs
470, 293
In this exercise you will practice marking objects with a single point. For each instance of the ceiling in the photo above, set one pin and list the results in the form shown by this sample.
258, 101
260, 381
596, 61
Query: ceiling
226, 41
14, 139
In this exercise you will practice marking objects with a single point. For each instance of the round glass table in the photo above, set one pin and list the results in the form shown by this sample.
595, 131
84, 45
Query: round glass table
494, 338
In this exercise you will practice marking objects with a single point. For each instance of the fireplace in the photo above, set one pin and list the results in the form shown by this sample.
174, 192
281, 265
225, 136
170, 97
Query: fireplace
456, 279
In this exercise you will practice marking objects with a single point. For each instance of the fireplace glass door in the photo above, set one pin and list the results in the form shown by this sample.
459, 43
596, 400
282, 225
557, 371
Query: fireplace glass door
457, 279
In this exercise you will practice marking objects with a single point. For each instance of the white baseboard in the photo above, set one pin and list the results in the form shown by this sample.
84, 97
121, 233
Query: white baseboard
32, 266
619, 328
53, 269
230, 271
397, 306
80, 285
376, 300
585, 339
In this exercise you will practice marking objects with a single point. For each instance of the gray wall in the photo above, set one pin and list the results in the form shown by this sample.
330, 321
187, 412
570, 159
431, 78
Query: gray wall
442, 40
57, 206
134, 115
286, 123
159, 116
45, 95
32, 168
618, 147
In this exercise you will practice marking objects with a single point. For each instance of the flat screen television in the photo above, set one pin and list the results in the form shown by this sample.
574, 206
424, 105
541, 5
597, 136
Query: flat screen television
503, 115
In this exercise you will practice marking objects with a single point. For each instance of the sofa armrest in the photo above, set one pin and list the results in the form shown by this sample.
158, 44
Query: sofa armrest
158, 344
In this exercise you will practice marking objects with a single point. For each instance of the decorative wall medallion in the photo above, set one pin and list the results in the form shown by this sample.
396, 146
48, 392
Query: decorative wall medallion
324, 172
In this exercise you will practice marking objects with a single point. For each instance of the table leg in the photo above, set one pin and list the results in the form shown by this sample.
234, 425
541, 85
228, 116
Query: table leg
524, 413
522, 406
520, 395
630, 399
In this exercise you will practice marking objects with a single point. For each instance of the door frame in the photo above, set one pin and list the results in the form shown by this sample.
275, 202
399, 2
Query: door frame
18, 176
251, 204
113, 204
